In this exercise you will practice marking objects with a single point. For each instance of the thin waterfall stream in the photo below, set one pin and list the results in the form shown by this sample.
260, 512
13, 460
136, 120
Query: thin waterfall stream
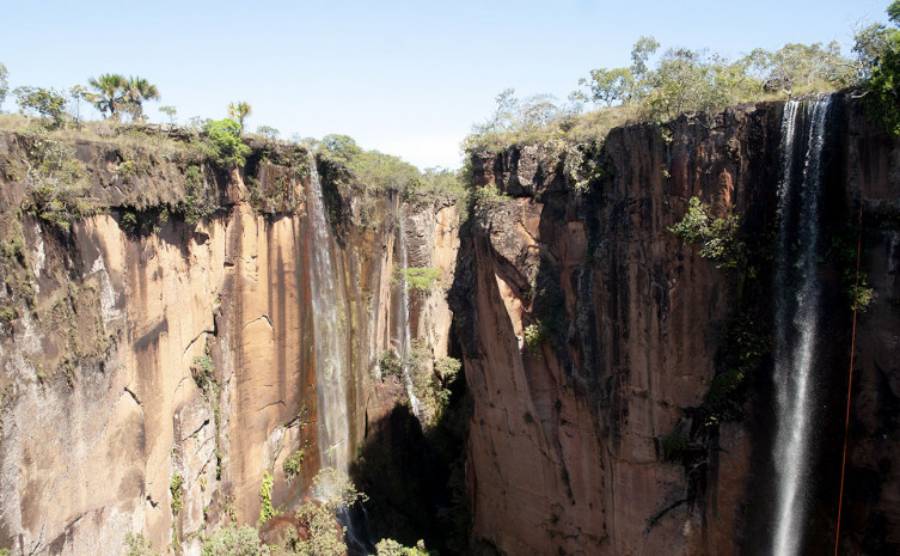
332, 339
406, 333
797, 314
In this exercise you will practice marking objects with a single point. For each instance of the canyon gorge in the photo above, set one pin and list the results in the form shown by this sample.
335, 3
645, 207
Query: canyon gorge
543, 366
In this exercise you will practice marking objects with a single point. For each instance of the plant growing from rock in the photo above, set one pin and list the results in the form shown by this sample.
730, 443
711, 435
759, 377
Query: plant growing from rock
266, 510
420, 279
717, 237
293, 464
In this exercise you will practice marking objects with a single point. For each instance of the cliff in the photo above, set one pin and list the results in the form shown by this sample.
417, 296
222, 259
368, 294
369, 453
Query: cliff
600, 350
155, 371
171, 342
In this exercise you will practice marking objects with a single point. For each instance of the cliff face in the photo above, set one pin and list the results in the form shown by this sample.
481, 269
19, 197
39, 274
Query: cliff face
152, 378
592, 337
154, 373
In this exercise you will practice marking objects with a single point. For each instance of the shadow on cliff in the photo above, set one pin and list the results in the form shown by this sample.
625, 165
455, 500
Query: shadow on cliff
415, 478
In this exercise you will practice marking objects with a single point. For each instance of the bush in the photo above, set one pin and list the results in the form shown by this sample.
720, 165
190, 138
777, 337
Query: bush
266, 510
136, 545
390, 547
717, 237
325, 536
421, 279
59, 183
390, 364
46, 103
234, 541
447, 368
196, 205
223, 143
293, 464
534, 335
176, 489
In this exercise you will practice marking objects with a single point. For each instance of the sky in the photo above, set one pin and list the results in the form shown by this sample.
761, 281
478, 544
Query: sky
406, 78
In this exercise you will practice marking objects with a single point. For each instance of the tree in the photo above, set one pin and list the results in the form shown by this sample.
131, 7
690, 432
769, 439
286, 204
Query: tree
610, 86
883, 86
224, 144
4, 85
47, 103
645, 47
268, 131
239, 111
135, 92
170, 112
77, 93
108, 90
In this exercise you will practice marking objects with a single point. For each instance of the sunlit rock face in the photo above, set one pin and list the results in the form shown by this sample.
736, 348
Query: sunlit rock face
590, 333
160, 375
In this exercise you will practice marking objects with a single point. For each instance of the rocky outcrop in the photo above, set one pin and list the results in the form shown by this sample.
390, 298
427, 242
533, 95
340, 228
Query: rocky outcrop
592, 337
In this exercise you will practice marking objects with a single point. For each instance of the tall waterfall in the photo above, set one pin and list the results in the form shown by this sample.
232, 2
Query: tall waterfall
405, 332
797, 299
330, 335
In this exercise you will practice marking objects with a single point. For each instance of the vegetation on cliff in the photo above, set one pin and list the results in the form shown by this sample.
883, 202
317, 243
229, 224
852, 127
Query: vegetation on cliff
659, 87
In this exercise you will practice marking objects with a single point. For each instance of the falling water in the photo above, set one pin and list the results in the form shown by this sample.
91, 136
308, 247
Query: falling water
797, 292
330, 335
406, 334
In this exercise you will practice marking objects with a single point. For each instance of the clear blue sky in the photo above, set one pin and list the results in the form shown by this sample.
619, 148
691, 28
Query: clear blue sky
408, 78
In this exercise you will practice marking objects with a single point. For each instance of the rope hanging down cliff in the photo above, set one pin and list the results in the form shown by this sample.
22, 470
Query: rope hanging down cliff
837, 527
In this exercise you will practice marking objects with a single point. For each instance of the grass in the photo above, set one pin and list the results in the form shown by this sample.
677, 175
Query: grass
159, 139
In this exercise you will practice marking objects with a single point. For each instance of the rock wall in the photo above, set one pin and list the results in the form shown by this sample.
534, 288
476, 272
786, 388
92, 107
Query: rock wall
591, 334
152, 380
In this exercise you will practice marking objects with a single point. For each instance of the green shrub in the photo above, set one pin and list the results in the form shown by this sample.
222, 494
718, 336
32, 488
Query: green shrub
203, 373
421, 279
8, 314
325, 536
534, 335
717, 237
266, 510
861, 296
176, 489
447, 368
223, 143
49, 104
234, 541
196, 205
390, 547
390, 364
293, 464
136, 545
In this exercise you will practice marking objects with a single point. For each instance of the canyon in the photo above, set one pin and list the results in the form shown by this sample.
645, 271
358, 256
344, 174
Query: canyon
617, 392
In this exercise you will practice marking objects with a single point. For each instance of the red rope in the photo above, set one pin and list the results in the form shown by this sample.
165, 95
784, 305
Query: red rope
837, 529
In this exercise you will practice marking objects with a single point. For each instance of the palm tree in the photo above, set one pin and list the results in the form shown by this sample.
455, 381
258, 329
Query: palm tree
239, 111
138, 90
109, 88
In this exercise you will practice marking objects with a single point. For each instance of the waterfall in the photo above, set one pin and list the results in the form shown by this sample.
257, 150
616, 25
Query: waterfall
330, 336
797, 299
405, 332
